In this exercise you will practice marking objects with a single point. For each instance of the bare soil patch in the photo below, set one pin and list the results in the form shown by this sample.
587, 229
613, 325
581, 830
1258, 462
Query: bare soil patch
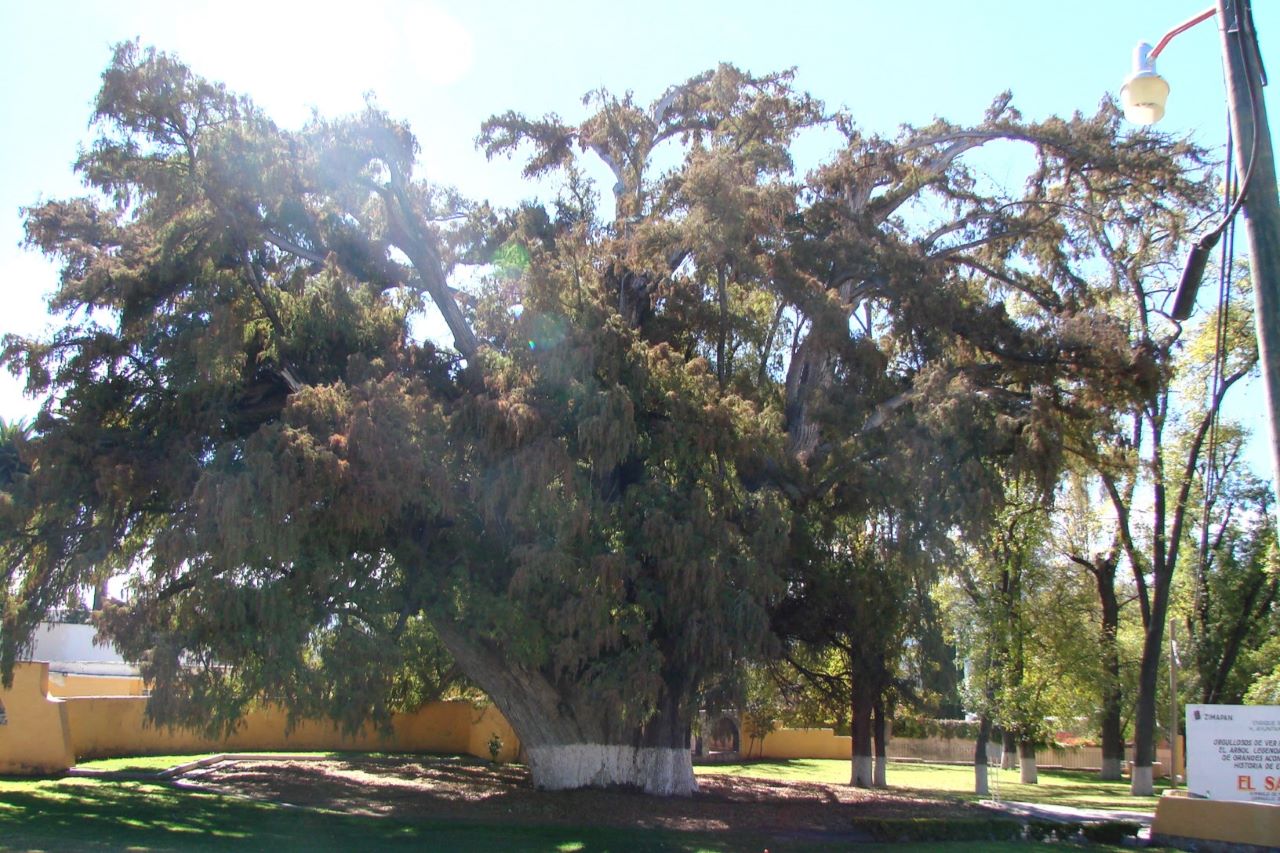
431, 788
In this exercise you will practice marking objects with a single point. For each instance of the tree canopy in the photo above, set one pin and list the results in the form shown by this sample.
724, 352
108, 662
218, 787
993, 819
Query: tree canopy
648, 405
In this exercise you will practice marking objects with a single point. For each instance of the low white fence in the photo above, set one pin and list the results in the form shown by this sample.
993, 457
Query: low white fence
961, 750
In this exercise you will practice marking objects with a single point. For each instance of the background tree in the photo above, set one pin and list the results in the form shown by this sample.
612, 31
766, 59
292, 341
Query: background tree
845, 625
1091, 541
1137, 240
1229, 611
992, 615
1158, 464
12, 467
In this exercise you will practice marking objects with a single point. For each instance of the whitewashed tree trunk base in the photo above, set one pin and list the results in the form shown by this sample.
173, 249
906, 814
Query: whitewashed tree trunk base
664, 771
881, 774
1112, 769
862, 771
1008, 760
981, 783
1143, 782
1028, 773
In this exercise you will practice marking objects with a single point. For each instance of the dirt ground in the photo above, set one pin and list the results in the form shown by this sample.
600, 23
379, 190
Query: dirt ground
426, 788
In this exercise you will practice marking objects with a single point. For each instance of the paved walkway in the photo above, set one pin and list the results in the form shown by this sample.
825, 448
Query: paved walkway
1045, 811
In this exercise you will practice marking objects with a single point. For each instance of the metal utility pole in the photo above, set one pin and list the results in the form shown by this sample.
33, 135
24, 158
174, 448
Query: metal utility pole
1173, 704
1243, 67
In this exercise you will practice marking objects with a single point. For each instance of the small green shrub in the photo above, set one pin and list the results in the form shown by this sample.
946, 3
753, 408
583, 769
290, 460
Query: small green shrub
1051, 830
1110, 832
909, 726
1040, 830
495, 747
940, 829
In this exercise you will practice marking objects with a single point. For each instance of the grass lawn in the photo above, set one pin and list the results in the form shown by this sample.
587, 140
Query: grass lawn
1057, 787
141, 763
100, 814
92, 814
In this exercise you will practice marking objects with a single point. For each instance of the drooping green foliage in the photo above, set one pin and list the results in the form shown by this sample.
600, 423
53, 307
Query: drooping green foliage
648, 415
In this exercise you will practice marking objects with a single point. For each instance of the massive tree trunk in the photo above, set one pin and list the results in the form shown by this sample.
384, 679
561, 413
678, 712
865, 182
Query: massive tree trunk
862, 775
572, 741
981, 780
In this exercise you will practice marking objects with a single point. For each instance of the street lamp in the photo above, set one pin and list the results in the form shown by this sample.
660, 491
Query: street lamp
1144, 95
1144, 92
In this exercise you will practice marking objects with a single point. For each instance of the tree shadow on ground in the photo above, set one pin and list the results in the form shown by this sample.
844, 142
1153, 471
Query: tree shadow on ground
417, 788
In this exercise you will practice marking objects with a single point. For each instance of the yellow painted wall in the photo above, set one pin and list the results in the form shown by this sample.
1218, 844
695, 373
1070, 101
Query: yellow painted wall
485, 723
71, 684
801, 743
107, 726
48, 735
35, 737
825, 743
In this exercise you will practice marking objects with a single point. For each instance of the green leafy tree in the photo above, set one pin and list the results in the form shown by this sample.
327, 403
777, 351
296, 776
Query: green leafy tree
1229, 612
845, 626
1265, 689
1149, 456
993, 618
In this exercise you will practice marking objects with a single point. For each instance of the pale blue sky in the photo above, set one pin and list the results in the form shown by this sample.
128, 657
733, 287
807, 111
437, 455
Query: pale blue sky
445, 66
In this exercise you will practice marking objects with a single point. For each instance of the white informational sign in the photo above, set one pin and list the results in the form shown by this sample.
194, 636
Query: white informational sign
1233, 752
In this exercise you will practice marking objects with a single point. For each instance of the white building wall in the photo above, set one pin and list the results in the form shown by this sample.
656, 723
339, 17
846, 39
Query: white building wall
63, 641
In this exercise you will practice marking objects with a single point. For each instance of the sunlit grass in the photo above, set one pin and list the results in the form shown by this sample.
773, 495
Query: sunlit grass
794, 770
1077, 788
141, 763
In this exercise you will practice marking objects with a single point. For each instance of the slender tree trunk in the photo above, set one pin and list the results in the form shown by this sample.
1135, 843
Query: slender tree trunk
1112, 737
862, 775
879, 735
100, 595
981, 783
1009, 751
1027, 763
1112, 699
1142, 782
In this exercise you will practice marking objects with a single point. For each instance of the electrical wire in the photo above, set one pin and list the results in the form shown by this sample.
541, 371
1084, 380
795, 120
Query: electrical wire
1210, 476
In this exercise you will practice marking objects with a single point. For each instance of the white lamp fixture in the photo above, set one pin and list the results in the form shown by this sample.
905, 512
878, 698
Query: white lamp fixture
1144, 92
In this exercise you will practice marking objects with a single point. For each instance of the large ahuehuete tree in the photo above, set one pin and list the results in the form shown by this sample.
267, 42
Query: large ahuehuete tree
585, 495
